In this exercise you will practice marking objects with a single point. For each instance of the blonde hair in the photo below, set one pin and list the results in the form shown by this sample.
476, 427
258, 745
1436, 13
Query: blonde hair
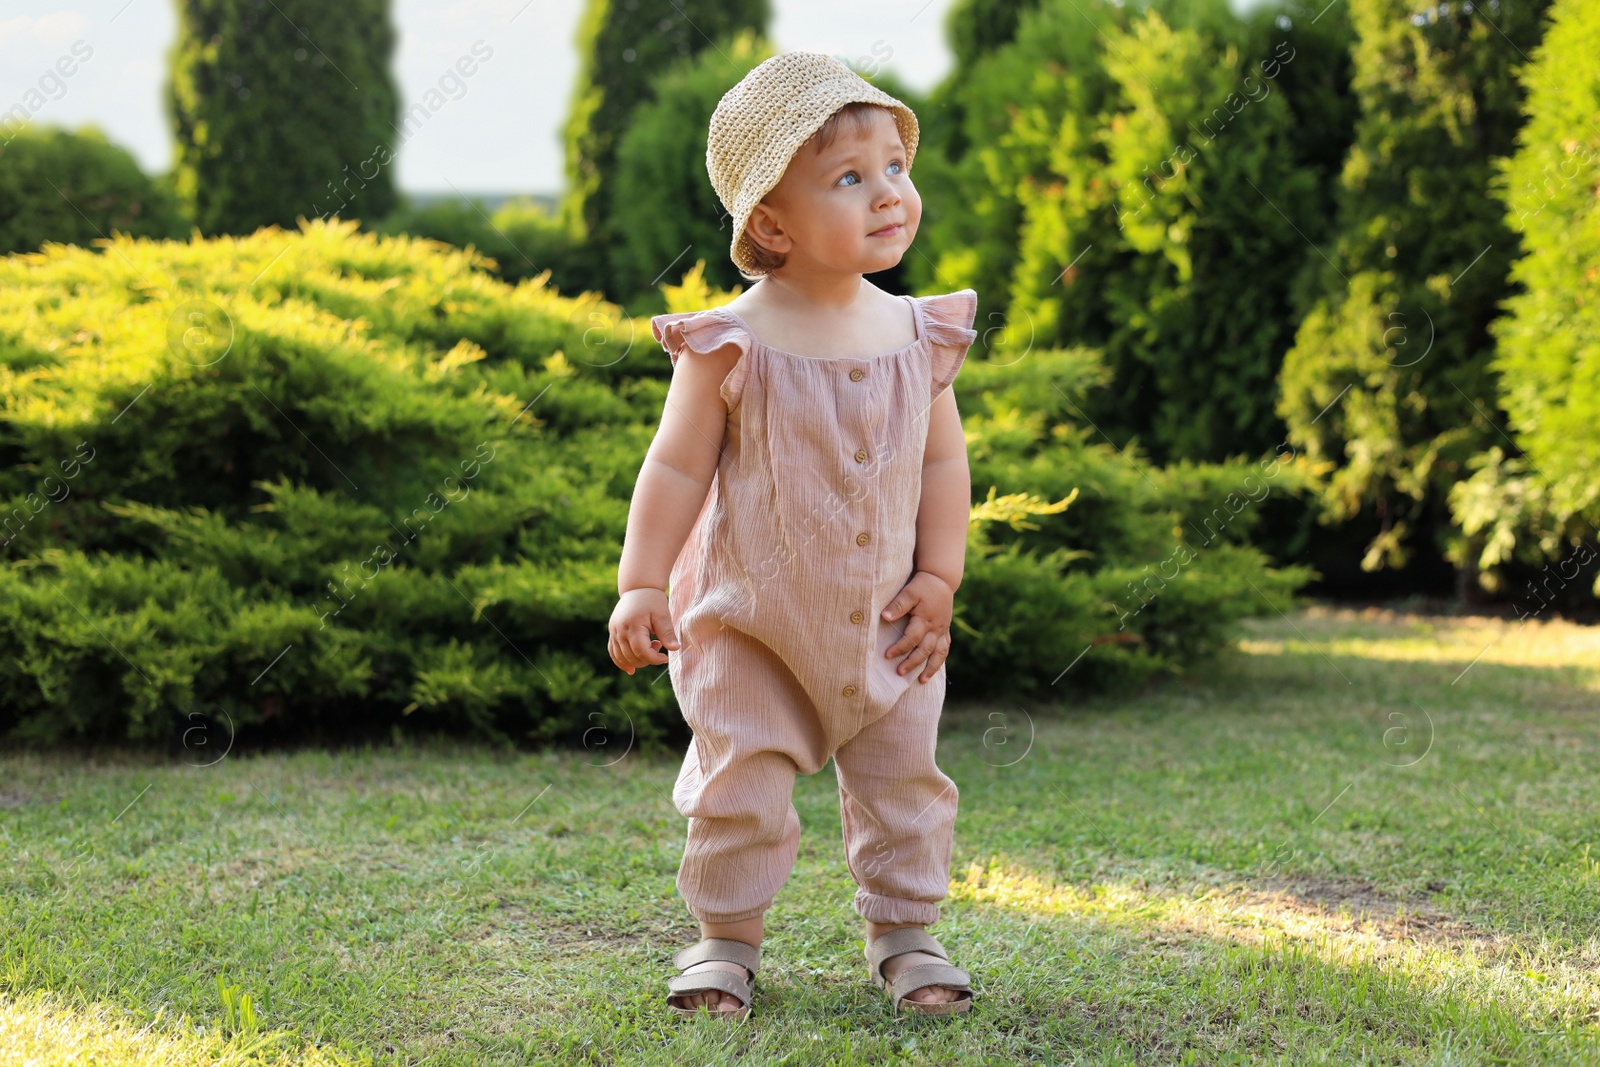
763, 260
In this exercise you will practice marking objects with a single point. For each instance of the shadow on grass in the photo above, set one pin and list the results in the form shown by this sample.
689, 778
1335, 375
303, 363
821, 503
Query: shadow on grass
1107, 974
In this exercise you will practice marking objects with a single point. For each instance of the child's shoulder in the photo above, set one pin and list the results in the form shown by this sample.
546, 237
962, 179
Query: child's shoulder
950, 318
717, 339
724, 329
958, 310
716, 329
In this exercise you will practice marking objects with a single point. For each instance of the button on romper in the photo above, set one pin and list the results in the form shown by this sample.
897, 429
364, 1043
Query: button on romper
806, 534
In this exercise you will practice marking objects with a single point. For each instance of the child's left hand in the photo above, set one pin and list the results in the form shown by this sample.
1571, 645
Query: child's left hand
931, 602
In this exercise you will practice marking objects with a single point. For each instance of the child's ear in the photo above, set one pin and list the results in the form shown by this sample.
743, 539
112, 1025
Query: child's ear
765, 228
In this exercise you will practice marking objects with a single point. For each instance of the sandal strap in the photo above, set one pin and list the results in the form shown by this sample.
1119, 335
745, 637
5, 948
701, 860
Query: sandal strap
705, 981
722, 950
926, 974
897, 942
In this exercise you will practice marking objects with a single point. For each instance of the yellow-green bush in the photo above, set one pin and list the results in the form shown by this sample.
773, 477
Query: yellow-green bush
365, 454
334, 478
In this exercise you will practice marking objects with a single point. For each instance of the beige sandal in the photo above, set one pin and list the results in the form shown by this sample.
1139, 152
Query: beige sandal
911, 939
722, 950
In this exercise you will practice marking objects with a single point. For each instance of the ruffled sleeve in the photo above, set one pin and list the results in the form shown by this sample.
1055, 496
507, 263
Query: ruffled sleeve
949, 318
704, 332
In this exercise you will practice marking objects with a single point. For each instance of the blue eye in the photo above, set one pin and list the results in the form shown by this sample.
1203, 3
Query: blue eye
852, 174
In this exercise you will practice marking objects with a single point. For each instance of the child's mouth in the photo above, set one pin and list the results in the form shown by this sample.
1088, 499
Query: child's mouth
887, 231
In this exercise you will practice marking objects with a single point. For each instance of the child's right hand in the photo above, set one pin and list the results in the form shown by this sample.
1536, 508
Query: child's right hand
638, 614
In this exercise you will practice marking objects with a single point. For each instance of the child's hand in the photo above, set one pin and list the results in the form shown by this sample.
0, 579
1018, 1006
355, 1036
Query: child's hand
638, 614
931, 602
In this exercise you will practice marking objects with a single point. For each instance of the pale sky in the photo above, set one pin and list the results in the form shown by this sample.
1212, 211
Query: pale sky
502, 134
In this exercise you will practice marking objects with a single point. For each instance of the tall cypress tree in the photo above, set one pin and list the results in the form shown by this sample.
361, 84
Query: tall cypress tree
283, 108
1389, 376
622, 46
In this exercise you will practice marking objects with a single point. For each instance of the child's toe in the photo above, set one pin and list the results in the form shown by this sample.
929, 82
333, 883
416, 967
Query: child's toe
931, 994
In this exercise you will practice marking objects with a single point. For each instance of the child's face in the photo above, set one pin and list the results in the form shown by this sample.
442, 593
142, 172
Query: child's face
824, 212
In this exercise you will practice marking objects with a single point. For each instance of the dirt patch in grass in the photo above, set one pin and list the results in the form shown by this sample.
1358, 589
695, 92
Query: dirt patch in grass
1353, 904
21, 798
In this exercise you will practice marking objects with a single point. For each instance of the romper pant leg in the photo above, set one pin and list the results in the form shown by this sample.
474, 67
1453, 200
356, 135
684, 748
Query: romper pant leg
898, 809
754, 729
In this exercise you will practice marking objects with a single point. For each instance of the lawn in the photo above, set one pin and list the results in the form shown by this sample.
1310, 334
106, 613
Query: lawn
1360, 837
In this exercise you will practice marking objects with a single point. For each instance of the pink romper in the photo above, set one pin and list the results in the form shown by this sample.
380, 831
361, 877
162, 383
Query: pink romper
807, 532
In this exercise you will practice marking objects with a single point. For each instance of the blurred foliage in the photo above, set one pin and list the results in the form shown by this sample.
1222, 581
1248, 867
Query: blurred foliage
288, 108
623, 46
522, 239
1389, 374
974, 28
1547, 364
73, 186
667, 216
1118, 187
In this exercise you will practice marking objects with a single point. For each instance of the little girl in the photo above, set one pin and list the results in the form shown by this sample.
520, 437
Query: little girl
807, 497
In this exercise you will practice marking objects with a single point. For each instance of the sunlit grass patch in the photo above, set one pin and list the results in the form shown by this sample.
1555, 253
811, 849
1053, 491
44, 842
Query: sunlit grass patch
1256, 862
38, 1027
1424, 944
1379, 634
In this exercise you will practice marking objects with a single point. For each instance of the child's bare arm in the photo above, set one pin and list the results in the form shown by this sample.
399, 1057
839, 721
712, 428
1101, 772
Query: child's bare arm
671, 488
677, 469
941, 552
946, 504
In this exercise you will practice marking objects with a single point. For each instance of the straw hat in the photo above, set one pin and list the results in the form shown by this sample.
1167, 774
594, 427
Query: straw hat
760, 123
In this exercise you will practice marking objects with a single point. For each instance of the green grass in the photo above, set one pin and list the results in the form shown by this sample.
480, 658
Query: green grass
1262, 863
